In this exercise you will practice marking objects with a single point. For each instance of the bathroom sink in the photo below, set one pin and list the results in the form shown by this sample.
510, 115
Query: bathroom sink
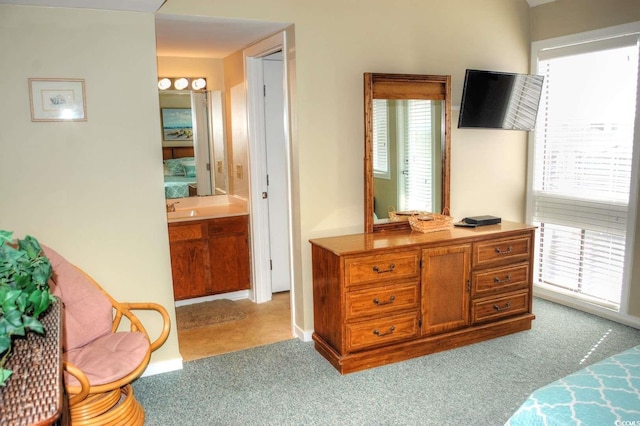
180, 214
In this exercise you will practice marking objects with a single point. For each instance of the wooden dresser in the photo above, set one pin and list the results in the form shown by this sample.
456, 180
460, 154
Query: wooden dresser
386, 297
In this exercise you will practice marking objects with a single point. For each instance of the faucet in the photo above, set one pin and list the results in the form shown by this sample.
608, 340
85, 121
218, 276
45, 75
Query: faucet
171, 207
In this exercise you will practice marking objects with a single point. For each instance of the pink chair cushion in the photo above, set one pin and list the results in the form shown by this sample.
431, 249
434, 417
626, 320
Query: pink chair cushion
108, 358
87, 313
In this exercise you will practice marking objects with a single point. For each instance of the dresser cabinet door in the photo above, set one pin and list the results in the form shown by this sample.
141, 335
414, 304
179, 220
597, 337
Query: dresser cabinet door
445, 288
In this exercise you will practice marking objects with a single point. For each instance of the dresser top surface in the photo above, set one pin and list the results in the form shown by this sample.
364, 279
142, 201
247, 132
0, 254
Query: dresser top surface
359, 243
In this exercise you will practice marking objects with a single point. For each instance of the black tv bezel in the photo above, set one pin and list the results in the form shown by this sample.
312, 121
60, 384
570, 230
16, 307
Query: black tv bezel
464, 96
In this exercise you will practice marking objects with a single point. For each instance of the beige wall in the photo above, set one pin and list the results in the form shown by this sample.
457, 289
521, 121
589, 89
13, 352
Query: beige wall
91, 190
237, 155
565, 17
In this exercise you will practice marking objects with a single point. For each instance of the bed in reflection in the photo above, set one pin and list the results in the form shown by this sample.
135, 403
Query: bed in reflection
179, 172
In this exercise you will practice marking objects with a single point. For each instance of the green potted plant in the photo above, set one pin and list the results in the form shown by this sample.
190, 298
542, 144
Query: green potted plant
24, 292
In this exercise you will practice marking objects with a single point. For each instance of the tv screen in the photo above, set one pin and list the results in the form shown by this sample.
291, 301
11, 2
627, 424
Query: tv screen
500, 100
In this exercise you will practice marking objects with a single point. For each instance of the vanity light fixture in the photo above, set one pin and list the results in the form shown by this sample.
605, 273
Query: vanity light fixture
181, 83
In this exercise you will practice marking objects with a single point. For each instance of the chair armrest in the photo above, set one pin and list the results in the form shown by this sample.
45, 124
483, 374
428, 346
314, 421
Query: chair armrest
127, 309
76, 394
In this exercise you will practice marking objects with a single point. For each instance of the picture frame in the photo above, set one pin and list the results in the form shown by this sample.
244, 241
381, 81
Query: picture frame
57, 99
177, 124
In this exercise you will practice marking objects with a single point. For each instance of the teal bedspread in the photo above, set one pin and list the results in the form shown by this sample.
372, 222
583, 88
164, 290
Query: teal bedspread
605, 393
177, 186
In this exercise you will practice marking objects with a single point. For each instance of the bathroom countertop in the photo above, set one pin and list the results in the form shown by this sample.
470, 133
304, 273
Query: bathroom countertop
188, 211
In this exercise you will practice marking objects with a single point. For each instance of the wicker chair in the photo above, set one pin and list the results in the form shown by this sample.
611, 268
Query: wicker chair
100, 360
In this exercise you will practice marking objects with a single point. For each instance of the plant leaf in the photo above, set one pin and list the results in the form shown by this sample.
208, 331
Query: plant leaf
5, 236
32, 324
5, 343
4, 375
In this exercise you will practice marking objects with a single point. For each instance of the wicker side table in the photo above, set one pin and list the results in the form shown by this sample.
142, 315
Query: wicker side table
34, 394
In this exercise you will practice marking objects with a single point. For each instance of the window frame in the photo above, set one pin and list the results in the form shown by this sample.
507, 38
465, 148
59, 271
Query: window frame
565, 42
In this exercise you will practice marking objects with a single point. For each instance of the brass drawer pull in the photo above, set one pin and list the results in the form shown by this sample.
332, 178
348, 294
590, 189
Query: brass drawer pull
504, 308
506, 279
379, 303
391, 268
391, 330
507, 251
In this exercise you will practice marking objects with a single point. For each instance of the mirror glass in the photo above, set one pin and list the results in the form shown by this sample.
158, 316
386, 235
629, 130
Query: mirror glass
407, 156
407, 128
193, 143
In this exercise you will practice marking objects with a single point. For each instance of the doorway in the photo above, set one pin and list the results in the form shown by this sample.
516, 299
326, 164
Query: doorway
269, 155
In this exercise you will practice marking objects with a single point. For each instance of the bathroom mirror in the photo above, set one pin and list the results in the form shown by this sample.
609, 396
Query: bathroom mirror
407, 146
193, 143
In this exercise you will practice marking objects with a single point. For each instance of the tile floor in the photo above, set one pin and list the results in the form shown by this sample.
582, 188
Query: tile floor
265, 323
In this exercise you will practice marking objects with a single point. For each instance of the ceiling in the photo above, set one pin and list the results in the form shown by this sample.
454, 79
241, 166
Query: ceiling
189, 36
204, 37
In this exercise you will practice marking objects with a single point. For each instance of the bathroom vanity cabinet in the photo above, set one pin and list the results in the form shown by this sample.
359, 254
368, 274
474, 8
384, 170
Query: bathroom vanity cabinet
389, 296
209, 256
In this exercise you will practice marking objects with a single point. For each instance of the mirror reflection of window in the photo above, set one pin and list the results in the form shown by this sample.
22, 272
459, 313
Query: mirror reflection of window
380, 139
406, 136
416, 179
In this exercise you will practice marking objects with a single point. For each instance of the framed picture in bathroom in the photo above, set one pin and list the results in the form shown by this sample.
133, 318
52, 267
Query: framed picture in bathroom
57, 99
177, 124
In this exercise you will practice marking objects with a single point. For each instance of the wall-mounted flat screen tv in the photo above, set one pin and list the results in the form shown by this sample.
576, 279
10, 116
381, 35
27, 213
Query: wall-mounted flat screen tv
500, 100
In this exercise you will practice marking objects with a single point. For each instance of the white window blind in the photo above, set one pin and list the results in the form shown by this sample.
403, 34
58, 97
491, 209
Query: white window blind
417, 156
582, 167
380, 139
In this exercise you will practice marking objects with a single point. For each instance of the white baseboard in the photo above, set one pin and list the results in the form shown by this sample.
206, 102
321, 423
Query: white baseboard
301, 334
580, 305
234, 295
163, 367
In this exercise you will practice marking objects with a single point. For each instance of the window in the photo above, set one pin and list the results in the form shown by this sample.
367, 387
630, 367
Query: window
582, 166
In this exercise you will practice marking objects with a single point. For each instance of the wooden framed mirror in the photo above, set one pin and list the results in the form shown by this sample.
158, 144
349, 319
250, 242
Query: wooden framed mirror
407, 145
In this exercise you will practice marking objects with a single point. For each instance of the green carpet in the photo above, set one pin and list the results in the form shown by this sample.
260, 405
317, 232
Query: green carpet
289, 383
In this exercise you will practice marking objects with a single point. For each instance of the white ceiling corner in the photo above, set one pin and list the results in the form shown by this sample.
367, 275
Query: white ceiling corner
534, 3
150, 6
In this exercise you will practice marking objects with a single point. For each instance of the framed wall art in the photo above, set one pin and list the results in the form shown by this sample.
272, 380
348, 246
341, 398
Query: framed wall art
57, 99
177, 124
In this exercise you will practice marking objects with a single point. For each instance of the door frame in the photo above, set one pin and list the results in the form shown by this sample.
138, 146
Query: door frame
259, 220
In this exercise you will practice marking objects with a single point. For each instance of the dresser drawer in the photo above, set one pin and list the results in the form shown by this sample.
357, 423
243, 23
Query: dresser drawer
488, 309
384, 267
501, 251
499, 280
185, 232
382, 300
381, 331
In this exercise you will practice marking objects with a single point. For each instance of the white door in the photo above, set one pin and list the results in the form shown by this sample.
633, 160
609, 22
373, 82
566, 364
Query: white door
276, 172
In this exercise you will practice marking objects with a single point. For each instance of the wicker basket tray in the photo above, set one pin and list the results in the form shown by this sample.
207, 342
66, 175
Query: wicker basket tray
403, 216
430, 222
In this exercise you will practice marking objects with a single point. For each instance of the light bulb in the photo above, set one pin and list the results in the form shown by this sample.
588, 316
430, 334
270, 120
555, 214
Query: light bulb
181, 83
199, 84
164, 84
